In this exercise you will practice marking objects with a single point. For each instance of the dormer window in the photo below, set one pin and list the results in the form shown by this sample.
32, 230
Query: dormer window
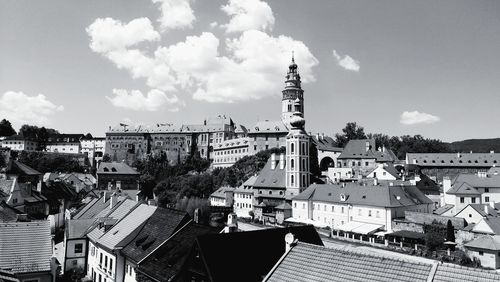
106, 169
113, 169
343, 197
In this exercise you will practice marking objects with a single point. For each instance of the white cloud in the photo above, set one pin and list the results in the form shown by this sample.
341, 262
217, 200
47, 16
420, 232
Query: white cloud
175, 14
111, 35
416, 117
214, 25
20, 108
247, 15
152, 101
347, 63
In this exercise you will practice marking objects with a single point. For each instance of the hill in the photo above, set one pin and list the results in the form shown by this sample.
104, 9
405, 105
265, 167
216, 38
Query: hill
476, 145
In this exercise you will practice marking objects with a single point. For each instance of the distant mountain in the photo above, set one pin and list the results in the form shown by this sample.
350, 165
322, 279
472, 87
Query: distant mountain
476, 145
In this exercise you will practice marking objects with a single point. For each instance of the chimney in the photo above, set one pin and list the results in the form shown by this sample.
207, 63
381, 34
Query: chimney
492, 152
196, 215
375, 181
458, 155
273, 161
104, 196
289, 242
151, 202
486, 209
113, 200
367, 144
322, 136
492, 204
282, 161
383, 148
317, 136
232, 223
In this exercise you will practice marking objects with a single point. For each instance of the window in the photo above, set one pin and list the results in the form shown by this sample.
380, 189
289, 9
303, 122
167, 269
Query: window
486, 190
291, 179
304, 206
292, 147
481, 253
292, 163
473, 200
366, 163
324, 207
462, 200
295, 205
359, 211
486, 199
369, 212
333, 208
342, 210
470, 215
100, 258
79, 248
377, 214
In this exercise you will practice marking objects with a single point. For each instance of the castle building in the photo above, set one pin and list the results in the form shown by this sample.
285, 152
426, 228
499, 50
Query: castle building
297, 155
293, 95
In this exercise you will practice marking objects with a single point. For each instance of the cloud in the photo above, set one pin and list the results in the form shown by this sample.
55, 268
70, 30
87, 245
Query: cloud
152, 101
110, 35
175, 14
213, 25
347, 63
248, 14
20, 108
416, 117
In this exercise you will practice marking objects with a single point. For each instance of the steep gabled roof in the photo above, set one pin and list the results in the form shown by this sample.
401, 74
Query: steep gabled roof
485, 242
268, 126
453, 159
8, 213
25, 246
365, 149
158, 228
463, 188
116, 168
271, 178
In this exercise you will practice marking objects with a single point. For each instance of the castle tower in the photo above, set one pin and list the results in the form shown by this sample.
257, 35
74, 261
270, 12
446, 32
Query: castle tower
297, 155
293, 95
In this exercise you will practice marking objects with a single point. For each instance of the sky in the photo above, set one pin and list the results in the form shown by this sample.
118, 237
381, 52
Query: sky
395, 67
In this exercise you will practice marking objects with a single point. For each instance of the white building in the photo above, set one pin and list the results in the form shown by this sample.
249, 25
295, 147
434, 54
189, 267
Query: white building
243, 198
65, 143
19, 143
230, 151
222, 197
94, 148
350, 205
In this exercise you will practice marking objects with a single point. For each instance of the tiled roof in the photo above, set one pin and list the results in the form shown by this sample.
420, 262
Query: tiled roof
447, 272
494, 170
453, 159
117, 235
268, 126
284, 206
486, 242
474, 180
493, 223
306, 262
92, 209
8, 213
221, 192
357, 149
158, 228
115, 168
382, 195
5, 186
25, 246
167, 260
76, 228
271, 178
443, 209
233, 143
250, 255
480, 209
325, 143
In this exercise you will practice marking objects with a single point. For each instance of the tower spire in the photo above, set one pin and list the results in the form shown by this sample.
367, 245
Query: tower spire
293, 99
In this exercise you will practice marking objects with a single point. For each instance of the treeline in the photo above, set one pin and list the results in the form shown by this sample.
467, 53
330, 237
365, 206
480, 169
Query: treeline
400, 145
53, 162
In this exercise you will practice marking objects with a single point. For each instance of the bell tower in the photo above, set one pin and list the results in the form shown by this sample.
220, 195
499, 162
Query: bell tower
293, 95
297, 154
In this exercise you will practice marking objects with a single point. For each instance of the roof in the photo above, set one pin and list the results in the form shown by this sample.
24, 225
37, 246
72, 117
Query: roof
25, 246
494, 170
115, 168
167, 261
474, 180
306, 262
247, 186
325, 143
158, 228
117, 235
257, 251
22, 169
6, 186
93, 208
76, 228
480, 209
268, 126
443, 209
463, 188
382, 195
221, 192
387, 167
485, 242
284, 206
271, 178
492, 222
365, 149
447, 272
453, 159
8, 213
233, 143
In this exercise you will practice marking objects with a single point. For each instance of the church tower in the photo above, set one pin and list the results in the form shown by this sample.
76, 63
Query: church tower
293, 95
297, 152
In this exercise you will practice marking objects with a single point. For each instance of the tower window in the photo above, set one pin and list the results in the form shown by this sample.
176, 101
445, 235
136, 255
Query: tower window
291, 179
292, 148
289, 107
292, 163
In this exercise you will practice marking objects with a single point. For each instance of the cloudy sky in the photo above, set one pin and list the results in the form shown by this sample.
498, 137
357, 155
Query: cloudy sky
397, 67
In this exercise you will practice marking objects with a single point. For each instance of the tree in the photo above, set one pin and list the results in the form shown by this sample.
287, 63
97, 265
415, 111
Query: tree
450, 232
313, 161
434, 235
6, 128
351, 131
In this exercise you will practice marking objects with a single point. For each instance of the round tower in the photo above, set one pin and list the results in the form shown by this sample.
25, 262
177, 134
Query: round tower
297, 155
293, 95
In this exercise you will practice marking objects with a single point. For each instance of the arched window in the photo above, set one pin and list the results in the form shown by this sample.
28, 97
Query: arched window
303, 165
291, 179
292, 148
303, 180
303, 149
292, 163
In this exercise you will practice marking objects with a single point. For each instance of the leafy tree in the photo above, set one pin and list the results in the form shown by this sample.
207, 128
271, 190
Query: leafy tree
313, 161
6, 128
450, 232
434, 235
147, 183
88, 136
351, 131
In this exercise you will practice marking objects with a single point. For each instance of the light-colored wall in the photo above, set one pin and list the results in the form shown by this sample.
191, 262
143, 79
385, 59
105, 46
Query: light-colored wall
129, 272
68, 148
339, 173
243, 204
488, 258
110, 272
470, 215
381, 174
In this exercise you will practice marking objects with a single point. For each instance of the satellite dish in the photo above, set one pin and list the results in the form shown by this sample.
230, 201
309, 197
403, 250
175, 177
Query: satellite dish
289, 238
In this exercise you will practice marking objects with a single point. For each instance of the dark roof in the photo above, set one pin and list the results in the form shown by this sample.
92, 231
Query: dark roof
77, 228
115, 168
407, 234
443, 209
8, 213
167, 261
325, 143
306, 262
19, 168
250, 255
158, 228
365, 149
25, 246
382, 195
463, 188
474, 180
271, 178
453, 159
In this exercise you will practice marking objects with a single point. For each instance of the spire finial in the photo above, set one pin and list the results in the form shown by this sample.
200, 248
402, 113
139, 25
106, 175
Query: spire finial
293, 57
